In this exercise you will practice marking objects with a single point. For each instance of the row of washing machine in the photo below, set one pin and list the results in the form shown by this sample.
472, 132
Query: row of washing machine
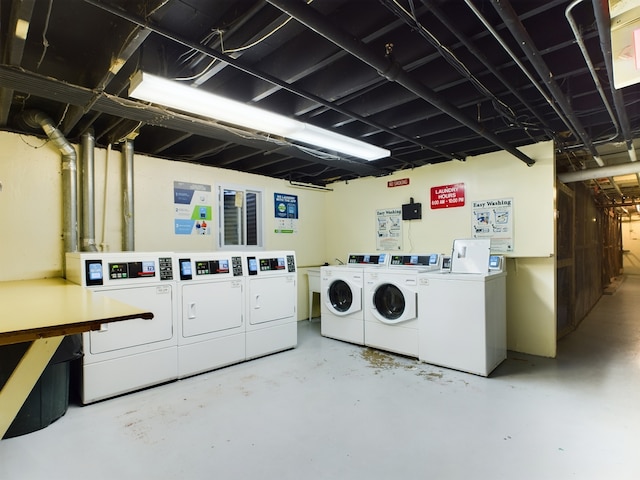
211, 309
446, 310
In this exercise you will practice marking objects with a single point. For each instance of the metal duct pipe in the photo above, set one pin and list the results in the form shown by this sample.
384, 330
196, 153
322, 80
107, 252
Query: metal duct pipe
513, 24
593, 173
603, 20
387, 68
128, 238
88, 203
36, 119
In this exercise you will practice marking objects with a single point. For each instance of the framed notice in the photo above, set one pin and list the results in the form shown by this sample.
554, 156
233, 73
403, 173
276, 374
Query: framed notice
389, 229
494, 219
285, 212
192, 208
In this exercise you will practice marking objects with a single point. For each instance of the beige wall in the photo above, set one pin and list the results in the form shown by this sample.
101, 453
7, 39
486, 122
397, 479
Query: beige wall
631, 244
351, 226
331, 223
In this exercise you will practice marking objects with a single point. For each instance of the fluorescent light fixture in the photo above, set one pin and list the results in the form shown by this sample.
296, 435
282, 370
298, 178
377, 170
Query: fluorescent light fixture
161, 91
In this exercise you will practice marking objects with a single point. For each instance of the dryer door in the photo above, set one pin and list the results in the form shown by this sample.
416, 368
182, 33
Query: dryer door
343, 297
394, 304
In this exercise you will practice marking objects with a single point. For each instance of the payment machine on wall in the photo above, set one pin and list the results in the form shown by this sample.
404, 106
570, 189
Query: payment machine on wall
211, 326
125, 356
271, 302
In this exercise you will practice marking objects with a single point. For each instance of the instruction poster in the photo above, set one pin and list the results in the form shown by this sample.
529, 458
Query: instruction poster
286, 212
494, 219
389, 229
192, 206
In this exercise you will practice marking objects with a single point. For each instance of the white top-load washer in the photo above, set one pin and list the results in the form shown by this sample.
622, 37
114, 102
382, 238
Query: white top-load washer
462, 323
341, 287
271, 302
211, 311
391, 303
125, 356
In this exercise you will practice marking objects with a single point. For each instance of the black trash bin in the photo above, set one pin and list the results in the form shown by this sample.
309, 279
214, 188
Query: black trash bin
49, 399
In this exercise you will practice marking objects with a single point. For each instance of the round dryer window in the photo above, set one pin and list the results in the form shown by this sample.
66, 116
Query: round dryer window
389, 301
340, 296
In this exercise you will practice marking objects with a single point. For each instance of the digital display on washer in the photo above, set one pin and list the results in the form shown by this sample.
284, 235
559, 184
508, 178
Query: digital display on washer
212, 267
252, 264
143, 269
270, 264
415, 260
93, 272
185, 269
366, 259
494, 262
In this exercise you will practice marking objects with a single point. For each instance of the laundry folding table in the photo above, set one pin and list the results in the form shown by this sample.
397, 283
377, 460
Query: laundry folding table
43, 312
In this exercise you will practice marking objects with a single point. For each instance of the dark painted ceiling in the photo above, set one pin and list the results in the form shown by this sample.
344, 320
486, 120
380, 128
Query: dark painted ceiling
430, 80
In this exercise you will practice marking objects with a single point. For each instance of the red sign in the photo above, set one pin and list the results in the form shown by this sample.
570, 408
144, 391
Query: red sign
398, 183
447, 196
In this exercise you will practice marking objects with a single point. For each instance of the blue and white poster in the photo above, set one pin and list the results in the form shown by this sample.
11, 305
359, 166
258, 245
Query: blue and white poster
286, 212
193, 211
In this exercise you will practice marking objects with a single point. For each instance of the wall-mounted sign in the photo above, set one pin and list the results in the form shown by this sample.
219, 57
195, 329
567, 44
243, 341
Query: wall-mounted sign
192, 206
389, 229
447, 196
286, 212
494, 219
401, 182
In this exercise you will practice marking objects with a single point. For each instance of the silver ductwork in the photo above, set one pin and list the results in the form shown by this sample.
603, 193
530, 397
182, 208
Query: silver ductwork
88, 204
602, 172
37, 119
128, 231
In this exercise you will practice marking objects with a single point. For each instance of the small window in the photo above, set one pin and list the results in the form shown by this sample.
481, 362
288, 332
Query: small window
240, 217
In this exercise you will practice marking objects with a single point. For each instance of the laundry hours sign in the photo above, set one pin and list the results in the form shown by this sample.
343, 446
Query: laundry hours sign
447, 196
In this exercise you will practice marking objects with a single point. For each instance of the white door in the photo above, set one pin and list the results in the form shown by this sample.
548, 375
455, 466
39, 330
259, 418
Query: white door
271, 298
211, 307
119, 335
392, 303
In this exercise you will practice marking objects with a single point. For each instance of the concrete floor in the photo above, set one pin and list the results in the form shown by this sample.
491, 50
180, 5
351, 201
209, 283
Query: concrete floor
333, 410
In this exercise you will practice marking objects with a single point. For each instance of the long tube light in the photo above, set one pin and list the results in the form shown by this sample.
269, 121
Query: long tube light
154, 89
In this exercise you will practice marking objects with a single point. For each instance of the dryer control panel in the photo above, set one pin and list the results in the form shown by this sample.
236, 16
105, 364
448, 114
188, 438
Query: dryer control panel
93, 269
280, 263
203, 267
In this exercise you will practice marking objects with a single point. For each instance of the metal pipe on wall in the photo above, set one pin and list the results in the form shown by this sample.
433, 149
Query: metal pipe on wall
36, 119
88, 203
128, 233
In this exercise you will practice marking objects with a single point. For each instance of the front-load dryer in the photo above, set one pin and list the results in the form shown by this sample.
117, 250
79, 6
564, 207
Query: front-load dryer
341, 293
271, 302
122, 357
211, 311
391, 303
